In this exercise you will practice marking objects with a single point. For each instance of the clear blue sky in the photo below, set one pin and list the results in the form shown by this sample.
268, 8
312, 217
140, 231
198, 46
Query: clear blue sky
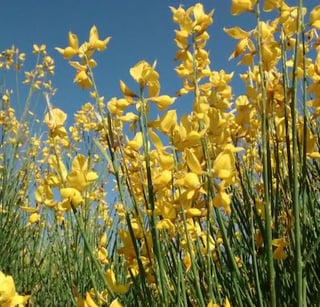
140, 29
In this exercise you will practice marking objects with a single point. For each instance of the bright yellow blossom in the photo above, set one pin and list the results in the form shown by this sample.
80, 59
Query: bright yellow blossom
82, 79
117, 288
163, 101
193, 162
80, 177
72, 50
280, 244
168, 121
222, 199
315, 17
270, 5
95, 42
33, 218
115, 303
146, 75
127, 92
224, 165
55, 120
102, 252
39, 49
187, 261
240, 6
211, 304
8, 294
87, 302
72, 198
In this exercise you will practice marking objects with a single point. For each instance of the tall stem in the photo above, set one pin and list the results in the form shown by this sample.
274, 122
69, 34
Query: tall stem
154, 231
295, 183
266, 176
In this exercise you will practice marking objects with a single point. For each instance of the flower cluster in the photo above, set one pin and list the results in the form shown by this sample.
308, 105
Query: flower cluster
85, 52
37, 78
12, 57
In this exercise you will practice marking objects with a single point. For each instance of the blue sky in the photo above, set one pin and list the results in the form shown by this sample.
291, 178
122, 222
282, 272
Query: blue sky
140, 30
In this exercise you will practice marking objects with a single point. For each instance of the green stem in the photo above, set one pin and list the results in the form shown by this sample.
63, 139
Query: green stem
89, 249
254, 260
306, 117
266, 170
231, 257
154, 232
295, 185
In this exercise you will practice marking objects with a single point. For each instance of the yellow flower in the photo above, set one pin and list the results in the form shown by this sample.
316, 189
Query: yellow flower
168, 121
58, 166
193, 162
111, 279
280, 244
190, 181
71, 198
126, 91
237, 33
227, 303
70, 51
128, 248
80, 177
48, 64
82, 79
163, 101
117, 106
29, 209
166, 224
115, 303
136, 143
166, 160
102, 255
39, 49
244, 44
33, 218
222, 199
155, 140
142, 72
103, 240
95, 42
146, 75
315, 17
162, 179
87, 302
270, 5
260, 208
181, 17
224, 165
212, 304
201, 20
289, 17
44, 195
137, 228
129, 117
243, 111
77, 180
240, 6
187, 261
166, 210
8, 294
55, 120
